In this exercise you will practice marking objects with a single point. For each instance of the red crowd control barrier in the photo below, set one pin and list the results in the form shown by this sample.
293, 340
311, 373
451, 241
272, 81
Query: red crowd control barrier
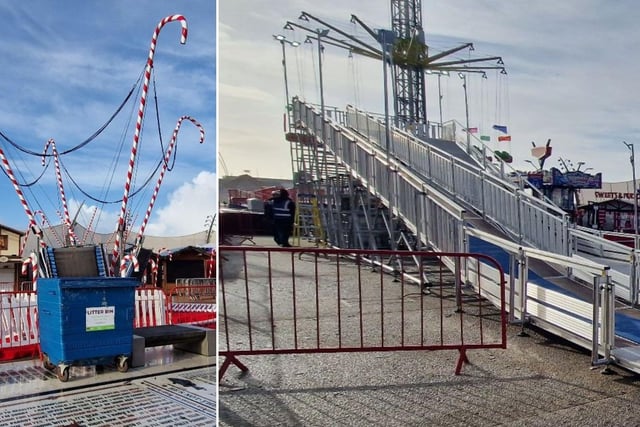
310, 300
193, 304
19, 332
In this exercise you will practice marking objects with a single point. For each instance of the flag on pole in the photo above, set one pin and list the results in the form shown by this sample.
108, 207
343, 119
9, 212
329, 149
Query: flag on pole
485, 138
502, 129
506, 138
473, 130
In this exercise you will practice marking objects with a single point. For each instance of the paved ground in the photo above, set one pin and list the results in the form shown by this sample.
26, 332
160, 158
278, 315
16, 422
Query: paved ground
174, 388
537, 381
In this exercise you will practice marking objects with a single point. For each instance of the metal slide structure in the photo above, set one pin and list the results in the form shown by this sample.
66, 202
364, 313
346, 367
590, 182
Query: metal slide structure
379, 188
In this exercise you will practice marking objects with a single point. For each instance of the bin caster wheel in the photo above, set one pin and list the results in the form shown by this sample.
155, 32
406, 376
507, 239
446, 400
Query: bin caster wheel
47, 363
123, 364
62, 372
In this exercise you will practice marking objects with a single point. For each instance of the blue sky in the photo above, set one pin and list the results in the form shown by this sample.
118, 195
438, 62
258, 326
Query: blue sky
67, 67
571, 67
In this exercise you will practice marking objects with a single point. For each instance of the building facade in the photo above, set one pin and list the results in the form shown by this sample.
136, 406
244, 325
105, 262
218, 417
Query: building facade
10, 258
608, 208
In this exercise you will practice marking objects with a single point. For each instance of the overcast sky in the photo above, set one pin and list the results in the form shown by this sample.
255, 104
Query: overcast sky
67, 67
572, 76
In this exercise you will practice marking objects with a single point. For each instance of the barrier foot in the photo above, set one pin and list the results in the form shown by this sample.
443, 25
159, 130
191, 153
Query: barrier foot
607, 370
225, 365
462, 358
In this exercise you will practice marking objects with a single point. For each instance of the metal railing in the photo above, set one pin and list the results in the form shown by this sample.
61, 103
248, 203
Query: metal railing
529, 219
540, 230
308, 301
406, 194
589, 322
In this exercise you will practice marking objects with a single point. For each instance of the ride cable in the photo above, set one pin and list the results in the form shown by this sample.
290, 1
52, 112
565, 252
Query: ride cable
89, 229
9, 173
81, 144
32, 222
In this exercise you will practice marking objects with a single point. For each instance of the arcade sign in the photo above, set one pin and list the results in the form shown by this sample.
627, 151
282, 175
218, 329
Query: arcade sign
573, 179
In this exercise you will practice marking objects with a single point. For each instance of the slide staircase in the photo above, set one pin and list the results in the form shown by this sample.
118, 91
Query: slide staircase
385, 187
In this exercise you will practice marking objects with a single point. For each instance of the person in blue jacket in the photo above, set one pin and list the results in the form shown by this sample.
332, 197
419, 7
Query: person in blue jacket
280, 209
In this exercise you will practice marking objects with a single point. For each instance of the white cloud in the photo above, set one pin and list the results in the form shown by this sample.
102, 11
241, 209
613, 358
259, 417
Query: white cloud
187, 208
245, 93
185, 212
93, 218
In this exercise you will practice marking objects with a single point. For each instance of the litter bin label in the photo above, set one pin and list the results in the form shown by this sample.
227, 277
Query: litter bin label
100, 318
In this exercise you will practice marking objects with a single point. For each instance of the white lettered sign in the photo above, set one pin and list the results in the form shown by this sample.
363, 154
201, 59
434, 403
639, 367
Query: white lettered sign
100, 318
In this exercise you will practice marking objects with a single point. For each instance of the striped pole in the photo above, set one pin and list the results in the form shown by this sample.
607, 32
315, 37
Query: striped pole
162, 250
65, 209
23, 201
130, 258
165, 164
154, 271
33, 261
129, 221
212, 260
136, 136
89, 230
45, 221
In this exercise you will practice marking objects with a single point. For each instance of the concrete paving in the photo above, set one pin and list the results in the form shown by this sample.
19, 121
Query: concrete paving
172, 388
538, 380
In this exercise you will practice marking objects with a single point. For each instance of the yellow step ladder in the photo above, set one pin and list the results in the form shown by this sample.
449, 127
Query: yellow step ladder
307, 220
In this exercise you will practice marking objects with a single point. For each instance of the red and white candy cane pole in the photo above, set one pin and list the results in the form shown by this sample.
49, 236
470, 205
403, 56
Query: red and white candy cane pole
154, 271
136, 136
23, 201
33, 261
165, 164
125, 262
88, 229
45, 221
212, 260
65, 210
169, 253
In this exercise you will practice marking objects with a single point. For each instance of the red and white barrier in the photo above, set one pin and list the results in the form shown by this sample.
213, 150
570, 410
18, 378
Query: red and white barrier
20, 335
150, 307
19, 332
193, 304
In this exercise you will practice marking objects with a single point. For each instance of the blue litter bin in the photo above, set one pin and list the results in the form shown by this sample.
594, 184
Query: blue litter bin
86, 321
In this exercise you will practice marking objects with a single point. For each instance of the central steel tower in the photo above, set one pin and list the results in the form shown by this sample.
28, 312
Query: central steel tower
409, 79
